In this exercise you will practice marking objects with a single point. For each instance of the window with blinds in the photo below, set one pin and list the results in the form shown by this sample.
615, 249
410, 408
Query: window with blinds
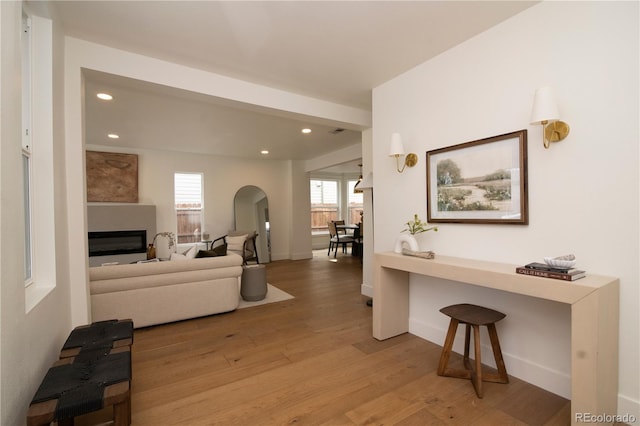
324, 204
189, 206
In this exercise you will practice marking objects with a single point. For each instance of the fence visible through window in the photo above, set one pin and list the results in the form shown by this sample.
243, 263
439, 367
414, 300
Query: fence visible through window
324, 203
189, 220
320, 216
355, 214
189, 207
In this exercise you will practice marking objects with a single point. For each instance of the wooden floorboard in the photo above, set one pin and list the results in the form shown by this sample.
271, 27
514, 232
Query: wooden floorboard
312, 360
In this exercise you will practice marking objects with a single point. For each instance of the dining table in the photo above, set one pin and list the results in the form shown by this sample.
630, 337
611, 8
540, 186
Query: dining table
346, 228
357, 244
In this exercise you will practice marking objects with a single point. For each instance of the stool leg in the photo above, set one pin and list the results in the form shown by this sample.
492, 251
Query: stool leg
497, 354
476, 376
448, 344
467, 334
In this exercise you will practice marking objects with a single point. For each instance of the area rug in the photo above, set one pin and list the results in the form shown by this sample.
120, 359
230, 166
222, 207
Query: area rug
274, 294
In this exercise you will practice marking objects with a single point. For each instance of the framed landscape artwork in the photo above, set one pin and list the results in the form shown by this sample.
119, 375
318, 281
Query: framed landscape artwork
112, 177
482, 181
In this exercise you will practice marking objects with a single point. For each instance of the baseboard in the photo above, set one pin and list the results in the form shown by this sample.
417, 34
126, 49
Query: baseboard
279, 256
366, 290
302, 255
629, 409
538, 375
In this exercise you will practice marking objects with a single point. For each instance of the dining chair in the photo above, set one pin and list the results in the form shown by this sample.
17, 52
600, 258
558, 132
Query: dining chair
336, 240
340, 231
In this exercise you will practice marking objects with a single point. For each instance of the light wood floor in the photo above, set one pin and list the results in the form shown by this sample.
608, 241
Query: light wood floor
312, 361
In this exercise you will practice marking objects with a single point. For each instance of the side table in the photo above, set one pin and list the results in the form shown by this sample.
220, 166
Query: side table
253, 285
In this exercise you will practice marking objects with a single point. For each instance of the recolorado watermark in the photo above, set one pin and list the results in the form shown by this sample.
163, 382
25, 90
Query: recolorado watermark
605, 418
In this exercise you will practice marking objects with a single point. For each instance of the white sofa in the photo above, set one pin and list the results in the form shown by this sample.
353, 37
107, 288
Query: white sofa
161, 292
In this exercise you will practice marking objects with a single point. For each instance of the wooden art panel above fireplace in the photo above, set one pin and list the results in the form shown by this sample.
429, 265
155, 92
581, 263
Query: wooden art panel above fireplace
112, 177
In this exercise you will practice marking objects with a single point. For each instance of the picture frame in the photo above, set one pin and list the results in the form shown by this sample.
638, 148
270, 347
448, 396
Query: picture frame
482, 181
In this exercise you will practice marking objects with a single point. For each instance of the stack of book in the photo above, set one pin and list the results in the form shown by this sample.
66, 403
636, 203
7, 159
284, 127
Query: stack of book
543, 270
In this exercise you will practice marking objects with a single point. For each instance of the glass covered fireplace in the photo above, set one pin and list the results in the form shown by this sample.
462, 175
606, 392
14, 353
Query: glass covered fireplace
106, 243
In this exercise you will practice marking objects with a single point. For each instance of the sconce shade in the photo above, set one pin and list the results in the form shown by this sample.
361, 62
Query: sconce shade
356, 187
544, 106
367, 182
396, 145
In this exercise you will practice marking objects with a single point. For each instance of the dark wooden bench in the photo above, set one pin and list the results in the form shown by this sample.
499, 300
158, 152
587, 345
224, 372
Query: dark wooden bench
106, 334
93, 372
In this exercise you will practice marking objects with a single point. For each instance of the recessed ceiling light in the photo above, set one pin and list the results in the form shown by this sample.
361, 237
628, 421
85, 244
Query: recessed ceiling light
104, 96
306, 130
113, 136
264, 152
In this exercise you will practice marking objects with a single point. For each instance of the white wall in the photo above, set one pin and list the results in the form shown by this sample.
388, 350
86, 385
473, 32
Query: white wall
583, 192
223, 177
29, 342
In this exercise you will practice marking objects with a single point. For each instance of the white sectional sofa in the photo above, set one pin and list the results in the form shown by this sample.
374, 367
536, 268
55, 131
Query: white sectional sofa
162, 292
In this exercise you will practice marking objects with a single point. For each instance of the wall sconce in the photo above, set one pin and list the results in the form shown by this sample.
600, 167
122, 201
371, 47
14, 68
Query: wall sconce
397, 150
545, 112
356, 187
366, 183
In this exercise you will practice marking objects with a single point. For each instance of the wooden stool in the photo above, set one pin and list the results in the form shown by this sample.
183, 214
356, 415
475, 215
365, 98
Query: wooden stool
473, 316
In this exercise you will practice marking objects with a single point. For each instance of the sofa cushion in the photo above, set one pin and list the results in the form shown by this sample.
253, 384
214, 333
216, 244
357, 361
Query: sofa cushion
189, 254
236, 243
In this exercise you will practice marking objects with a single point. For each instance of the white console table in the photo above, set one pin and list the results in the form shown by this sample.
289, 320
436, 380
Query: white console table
594, 304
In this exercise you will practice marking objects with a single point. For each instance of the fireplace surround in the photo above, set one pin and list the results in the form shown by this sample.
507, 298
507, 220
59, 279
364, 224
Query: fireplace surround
106, 220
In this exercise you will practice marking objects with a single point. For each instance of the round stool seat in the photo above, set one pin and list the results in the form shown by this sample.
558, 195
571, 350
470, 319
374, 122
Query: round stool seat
253, 284
467, 313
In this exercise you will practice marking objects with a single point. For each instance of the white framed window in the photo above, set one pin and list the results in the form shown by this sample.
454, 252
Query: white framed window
26, 145
324, 203
37, 158
28, 253
189, 205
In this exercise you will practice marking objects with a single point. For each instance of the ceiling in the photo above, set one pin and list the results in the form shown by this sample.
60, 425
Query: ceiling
151, 116
331, 50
